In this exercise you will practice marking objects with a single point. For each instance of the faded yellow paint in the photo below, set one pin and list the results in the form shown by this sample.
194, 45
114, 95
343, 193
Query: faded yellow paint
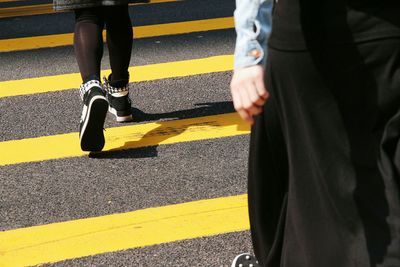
139, 74
42, 9
73, 239
55, 40
6, 1
126, 137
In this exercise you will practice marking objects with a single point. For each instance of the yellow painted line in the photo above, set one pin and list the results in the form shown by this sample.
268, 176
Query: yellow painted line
126, 137
42, 9
73, 239
55, 40
138, 74
6, 1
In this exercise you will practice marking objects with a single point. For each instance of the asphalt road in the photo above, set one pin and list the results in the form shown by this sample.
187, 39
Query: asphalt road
44, 192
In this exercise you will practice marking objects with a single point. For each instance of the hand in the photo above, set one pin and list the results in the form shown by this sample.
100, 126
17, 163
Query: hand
248, 91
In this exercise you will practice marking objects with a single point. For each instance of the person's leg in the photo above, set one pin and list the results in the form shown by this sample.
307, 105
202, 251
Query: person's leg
119, 43
119, 40
88, 44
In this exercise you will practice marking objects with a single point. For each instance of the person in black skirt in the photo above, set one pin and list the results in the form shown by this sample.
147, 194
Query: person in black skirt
91, 16
324, 163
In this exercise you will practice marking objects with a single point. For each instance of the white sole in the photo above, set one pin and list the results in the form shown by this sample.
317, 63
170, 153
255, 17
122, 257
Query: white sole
92, 139
119, 118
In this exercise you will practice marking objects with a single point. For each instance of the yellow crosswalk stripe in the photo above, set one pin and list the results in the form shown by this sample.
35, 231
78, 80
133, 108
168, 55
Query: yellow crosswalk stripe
126, 137
110, 233
55, 40
6, 1
42, 9
72, 239
138, 74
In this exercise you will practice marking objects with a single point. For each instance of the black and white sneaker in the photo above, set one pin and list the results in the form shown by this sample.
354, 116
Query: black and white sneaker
245, 260
118, 98
94, 112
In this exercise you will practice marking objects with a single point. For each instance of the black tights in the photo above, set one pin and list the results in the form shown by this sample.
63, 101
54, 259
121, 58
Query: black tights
88, 40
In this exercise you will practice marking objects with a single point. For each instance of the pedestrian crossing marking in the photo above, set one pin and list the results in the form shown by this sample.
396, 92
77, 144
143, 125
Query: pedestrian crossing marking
139, 74
149, 72
56, 40
43, 9
6, 1
125, 137
86, 237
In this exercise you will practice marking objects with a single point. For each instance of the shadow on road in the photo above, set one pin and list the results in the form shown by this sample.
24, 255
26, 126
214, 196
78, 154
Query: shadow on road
200, 109
163, 132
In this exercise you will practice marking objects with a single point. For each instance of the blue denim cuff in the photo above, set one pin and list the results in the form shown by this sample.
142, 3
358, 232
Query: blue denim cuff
250, 55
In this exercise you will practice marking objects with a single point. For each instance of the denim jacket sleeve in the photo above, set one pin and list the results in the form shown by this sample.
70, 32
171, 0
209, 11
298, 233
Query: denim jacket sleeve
253, 26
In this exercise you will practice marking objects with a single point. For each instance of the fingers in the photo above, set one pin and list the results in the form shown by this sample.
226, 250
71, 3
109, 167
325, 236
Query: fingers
248, 92
254, 96
261, 90
239, 107
252, 103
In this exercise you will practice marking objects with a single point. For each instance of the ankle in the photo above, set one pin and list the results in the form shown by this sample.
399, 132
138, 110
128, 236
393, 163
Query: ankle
116, 88
91, 78
87, 86
118, 82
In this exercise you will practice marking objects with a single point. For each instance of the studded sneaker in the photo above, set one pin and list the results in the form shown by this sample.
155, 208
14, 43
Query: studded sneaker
245, 260
118, 97
94, 112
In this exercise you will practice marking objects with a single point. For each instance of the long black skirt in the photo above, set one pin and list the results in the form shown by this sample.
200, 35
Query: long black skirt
324, 165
